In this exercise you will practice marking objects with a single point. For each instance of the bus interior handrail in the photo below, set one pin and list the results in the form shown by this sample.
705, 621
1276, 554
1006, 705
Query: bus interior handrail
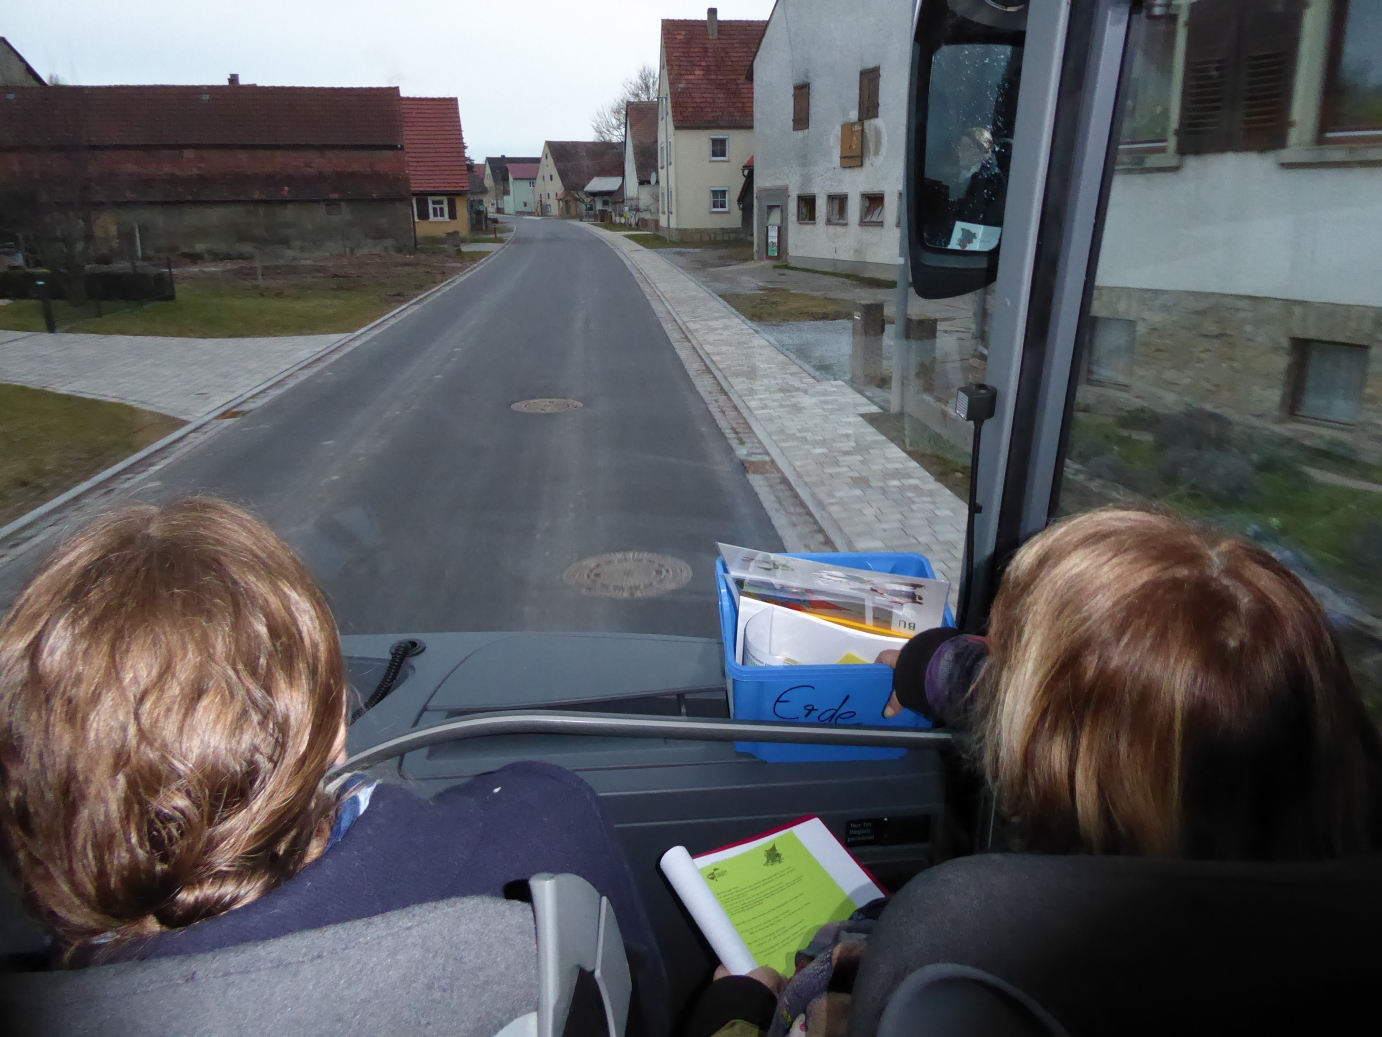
621, 725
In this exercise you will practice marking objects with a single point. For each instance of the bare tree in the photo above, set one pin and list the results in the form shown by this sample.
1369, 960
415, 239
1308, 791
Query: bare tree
608, 122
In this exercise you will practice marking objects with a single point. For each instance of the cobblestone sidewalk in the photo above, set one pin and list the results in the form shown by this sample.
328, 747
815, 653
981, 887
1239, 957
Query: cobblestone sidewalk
184, 377
864, 491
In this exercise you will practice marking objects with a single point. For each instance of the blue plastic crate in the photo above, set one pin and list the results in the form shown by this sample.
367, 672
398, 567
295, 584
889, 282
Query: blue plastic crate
845, 695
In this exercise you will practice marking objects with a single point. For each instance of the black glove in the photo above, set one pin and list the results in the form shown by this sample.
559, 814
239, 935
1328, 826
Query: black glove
935, 671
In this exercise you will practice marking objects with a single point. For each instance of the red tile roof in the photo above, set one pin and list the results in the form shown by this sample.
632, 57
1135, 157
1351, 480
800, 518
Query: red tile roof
434, 146
708, 79
523, 170
201, 116
642, 137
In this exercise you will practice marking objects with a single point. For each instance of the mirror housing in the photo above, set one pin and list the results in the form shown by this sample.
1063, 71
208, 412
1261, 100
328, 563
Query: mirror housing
959, 140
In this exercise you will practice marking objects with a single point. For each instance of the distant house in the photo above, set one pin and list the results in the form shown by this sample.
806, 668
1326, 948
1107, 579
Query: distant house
566, 168
437, 170
522, 191
606, 196
497, 183
215, 169
640, 164
478, 196
14, 70
705, 125
834, 204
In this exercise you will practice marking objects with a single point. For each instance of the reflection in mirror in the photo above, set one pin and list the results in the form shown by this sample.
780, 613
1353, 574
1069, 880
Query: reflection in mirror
971, 102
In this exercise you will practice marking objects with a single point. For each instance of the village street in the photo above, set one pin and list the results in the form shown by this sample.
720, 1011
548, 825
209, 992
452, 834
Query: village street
423, 501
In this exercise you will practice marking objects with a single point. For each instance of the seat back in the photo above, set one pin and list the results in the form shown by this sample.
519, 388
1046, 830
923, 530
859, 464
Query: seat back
1135, 946
468, 967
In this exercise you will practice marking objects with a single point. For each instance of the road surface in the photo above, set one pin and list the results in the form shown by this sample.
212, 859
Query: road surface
423, 502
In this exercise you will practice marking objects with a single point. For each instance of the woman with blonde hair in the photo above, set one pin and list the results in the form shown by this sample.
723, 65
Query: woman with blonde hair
172, 697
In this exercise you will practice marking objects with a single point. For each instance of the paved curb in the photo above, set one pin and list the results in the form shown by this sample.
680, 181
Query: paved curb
823, 518
353, 338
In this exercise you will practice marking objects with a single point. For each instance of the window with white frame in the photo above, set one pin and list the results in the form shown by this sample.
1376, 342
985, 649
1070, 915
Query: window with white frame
837, 208
719, 149
437, 207
719, 199
871, 210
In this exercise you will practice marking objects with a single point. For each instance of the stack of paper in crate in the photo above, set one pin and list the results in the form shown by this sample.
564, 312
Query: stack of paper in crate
793, 611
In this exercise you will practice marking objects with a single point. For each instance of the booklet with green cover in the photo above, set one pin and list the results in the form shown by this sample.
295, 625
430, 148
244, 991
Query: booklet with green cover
760, 901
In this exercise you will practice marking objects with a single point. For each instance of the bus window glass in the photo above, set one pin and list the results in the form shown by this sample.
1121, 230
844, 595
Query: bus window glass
1230, 365
968, 145
1146, 98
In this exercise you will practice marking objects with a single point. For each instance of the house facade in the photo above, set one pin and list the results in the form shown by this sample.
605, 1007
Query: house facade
830, 134
522, 187
497, 183
14, 70
640, 164
1239, 263
567, 166
438, 172
705, 130
217, 170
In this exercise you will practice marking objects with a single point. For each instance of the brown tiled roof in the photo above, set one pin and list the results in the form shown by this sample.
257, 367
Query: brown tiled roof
642, 137
580, 161
434, 146
523, 170
499, 165
201, 116
708, 79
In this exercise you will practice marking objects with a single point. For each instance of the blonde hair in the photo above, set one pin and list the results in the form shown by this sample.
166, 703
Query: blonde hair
171, 692
1157, 689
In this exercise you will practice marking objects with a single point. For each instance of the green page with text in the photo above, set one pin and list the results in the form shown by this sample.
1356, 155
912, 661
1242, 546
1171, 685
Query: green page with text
777, 894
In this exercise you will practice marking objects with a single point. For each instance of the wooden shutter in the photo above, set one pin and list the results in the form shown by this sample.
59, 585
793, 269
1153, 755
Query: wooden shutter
1240, 60
868, 94
451, 208
801, 106
420, 204
1271, 36
851, 144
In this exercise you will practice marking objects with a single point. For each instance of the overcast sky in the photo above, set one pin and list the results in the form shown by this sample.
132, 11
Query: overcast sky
525, 71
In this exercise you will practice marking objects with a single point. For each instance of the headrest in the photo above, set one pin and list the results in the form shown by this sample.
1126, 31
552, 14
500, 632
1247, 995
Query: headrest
1134, 945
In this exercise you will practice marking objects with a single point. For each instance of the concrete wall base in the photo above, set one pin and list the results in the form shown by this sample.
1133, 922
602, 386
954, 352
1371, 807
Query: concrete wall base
885, 271
702, 235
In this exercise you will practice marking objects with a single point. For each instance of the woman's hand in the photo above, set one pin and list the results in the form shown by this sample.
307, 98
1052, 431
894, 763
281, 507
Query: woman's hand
769, 977
888, 657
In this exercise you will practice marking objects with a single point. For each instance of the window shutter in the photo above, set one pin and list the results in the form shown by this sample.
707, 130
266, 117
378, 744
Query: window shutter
451, 208
1271, 31
851, 145
1240, 60
801, 106
868, 94
420, 204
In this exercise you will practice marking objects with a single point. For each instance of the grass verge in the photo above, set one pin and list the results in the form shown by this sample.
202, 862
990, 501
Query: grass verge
653, 241
332, 295
49, 442
782, 305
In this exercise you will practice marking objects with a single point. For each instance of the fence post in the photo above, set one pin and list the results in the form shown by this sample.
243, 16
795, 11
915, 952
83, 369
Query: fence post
866, 366
47, 305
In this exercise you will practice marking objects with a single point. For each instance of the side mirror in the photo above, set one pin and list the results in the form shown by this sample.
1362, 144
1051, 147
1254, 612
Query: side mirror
966, 66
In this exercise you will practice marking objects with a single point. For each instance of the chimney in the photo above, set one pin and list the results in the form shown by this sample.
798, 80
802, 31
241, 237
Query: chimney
712, 23
233, 79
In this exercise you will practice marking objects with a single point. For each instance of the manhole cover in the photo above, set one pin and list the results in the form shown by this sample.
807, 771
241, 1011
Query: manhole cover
627, 574
545, 406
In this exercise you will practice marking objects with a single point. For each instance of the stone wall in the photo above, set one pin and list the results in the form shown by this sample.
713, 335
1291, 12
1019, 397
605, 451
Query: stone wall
1233, 354
240, 229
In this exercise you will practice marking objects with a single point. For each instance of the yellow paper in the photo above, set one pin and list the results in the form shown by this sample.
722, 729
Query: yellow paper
850, 659
777, 895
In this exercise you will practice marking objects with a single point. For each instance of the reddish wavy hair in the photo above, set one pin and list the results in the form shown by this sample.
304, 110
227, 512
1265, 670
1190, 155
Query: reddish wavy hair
171, 694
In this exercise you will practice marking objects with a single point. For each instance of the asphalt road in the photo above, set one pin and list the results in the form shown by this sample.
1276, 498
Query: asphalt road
423, 502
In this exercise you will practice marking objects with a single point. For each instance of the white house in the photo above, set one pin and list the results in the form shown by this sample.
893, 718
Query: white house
705, 125
830, 133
